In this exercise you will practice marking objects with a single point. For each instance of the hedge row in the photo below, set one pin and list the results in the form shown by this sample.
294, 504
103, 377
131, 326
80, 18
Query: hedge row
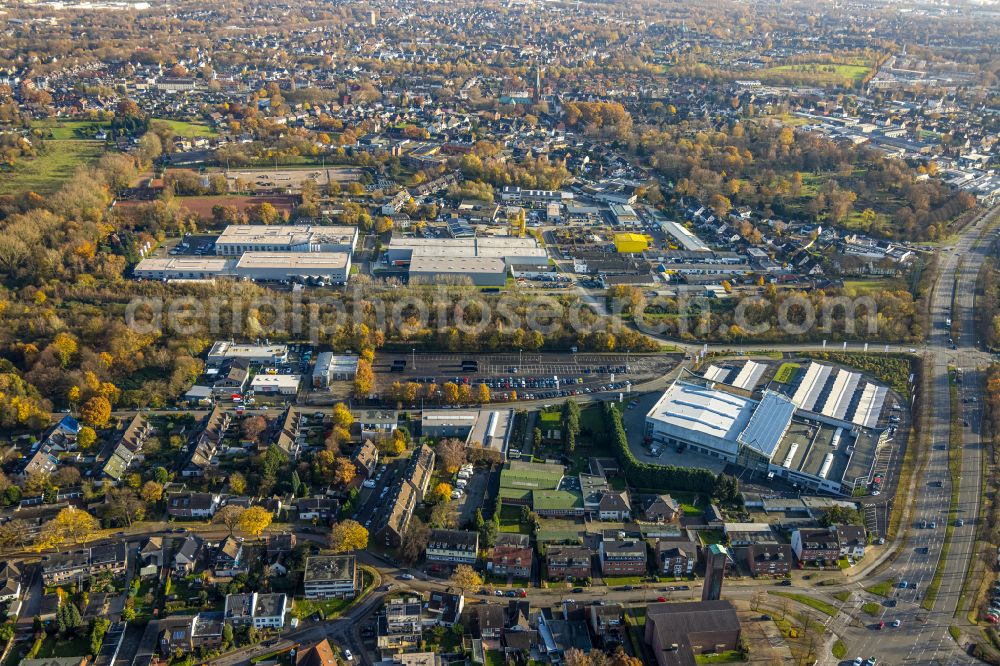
650, 475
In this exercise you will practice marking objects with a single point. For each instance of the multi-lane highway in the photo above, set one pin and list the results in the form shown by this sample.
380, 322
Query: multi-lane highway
922, 637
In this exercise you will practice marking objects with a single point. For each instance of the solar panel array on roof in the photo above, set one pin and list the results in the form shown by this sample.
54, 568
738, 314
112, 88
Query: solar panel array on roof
749, 375
811, 386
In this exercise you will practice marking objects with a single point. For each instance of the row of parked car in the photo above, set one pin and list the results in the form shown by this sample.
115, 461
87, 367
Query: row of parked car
993, 614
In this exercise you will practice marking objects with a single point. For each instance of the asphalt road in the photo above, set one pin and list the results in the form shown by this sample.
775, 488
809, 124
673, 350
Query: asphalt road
923, 635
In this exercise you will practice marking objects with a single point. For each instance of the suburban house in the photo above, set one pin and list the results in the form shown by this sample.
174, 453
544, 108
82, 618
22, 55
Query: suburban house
192, 505
453, 547
263, 611
400, 627
676, 557
401, 502
320, 653
186, 557
568, 562
280, 544
444, 608
317, 509
205, 444
622, 558
61, 568
663, 509
366, 459
816, 545
10, 581
418, 471
852, 539
228, 558
191, 633
153, 554
489, 620
329, 576
769, 559
511, 556
606, 622
615, 505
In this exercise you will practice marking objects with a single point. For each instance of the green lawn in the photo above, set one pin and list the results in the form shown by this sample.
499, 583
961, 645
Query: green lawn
785, 372
60, 647
867, 285
495, 658
872, 609
729, 657
65, 130
812, 602
708, 537
187, 129
303, 608
549, 419
883, 589
838, 649
45, 173
818, 73
842, 596
622, 580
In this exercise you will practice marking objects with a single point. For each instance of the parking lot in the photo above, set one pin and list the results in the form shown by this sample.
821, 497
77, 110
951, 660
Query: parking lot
530, 375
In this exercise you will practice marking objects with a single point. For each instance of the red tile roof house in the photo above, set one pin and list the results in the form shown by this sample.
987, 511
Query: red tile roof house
511, 556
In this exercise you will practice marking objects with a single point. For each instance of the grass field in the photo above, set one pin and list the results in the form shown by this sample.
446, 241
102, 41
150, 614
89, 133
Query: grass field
65, 130
812, 602
549, 419
872, 608
883, 589
729, 657
817, 73
785, 372
868, 285
45, 173
187, 129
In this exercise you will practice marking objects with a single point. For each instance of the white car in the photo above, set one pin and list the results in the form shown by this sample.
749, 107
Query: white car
369, 484
858, 661
347, 655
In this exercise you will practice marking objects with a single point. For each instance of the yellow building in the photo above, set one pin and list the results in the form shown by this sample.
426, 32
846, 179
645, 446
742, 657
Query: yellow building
631, 243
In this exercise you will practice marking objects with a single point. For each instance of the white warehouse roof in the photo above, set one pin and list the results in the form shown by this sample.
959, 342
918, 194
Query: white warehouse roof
704, 414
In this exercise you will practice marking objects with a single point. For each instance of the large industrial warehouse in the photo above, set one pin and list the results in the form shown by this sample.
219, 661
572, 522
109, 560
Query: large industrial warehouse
334, 267
771, 434
480, 271
239, 238
482, 261
182, 268
514, 251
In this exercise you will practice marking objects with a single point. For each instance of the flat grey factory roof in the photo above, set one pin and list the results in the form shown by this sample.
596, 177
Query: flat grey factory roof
291, 260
